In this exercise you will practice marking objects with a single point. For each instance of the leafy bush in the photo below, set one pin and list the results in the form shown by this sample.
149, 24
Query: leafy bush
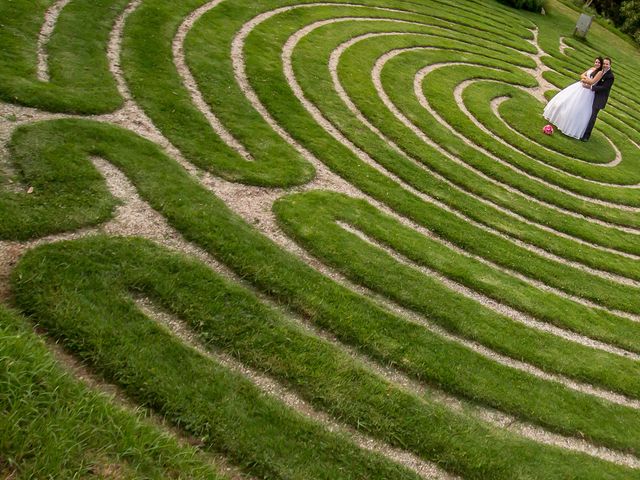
532, 5
630, 12
611, 9
624, 15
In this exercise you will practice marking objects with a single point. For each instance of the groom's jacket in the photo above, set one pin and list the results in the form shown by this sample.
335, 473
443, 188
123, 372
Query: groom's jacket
601, 90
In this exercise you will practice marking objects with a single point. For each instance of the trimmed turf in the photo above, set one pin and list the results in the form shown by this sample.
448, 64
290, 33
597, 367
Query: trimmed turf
80, 81
222, 408
148, 65
485, 201
52, 426
351, 318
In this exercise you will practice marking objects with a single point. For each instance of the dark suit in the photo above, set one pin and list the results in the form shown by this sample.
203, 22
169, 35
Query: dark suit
601, 90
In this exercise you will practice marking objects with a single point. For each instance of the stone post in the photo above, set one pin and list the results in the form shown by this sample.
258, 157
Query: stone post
582, 26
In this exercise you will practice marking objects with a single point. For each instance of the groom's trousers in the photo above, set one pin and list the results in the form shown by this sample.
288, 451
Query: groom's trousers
592, 121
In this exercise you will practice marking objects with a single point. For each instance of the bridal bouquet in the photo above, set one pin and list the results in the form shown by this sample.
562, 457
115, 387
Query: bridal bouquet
547, 129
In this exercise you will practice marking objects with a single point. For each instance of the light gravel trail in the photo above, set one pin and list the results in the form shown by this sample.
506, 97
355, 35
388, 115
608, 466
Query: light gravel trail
50, 20
134, 217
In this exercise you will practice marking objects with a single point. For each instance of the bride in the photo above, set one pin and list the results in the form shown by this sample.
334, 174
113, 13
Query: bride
570, 109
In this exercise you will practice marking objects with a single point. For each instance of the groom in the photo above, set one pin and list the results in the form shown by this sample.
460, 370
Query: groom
601, 89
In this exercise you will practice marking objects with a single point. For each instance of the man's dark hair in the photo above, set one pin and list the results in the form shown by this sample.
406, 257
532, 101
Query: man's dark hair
607, 58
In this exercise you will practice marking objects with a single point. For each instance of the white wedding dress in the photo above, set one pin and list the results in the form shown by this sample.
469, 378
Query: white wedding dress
570, 110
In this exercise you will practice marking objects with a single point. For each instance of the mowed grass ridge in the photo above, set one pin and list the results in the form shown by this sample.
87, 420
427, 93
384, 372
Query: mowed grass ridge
80, 291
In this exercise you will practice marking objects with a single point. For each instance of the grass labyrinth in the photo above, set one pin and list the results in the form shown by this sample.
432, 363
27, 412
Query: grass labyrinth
288, 239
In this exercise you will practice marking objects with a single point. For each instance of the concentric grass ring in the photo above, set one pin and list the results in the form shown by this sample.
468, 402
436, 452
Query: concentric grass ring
481, 263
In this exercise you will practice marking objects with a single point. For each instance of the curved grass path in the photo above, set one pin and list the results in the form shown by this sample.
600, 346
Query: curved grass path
206, 402
381, 233
79, 77
59, 411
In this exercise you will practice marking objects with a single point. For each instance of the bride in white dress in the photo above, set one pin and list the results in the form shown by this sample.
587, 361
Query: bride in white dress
570, 109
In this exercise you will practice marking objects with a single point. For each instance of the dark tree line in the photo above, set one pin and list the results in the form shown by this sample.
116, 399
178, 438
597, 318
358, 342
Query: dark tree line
533, 5
608, 8
625, 14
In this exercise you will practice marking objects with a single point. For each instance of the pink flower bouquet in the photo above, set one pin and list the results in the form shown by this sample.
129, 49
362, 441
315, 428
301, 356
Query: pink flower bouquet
547, 129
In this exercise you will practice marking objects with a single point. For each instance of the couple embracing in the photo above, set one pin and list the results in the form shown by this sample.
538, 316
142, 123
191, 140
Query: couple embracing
574, 110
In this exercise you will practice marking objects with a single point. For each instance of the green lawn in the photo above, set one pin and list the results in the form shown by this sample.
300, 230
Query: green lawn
469, 218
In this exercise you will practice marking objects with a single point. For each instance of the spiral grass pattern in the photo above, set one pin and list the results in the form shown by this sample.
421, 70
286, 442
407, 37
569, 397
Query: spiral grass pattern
313, 240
